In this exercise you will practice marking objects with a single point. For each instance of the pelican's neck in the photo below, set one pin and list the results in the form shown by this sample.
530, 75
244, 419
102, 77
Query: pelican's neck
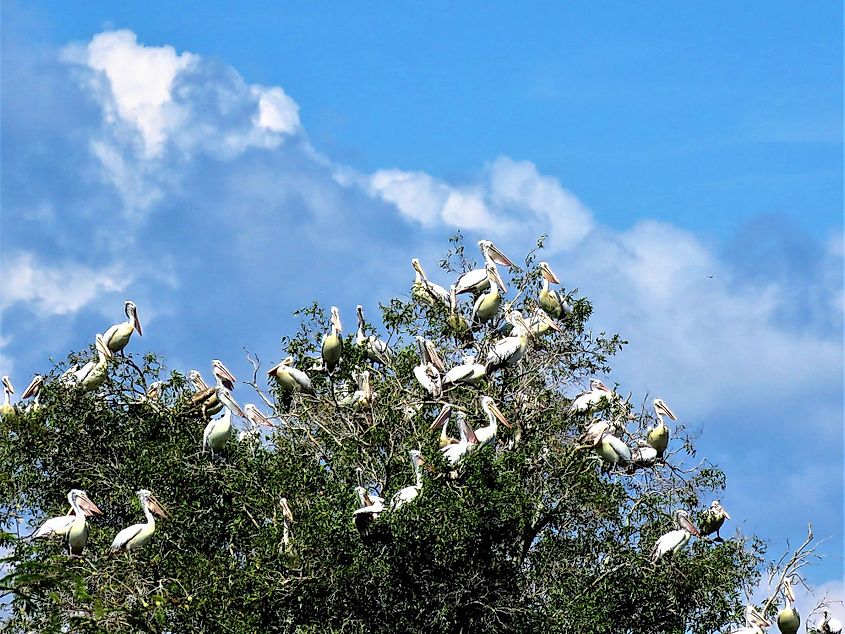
493, 424
417, 472
7, 396
77, 510
148, 513
545, 285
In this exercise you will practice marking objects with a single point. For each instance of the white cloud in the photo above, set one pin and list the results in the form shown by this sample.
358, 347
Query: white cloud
276, 111
416, 195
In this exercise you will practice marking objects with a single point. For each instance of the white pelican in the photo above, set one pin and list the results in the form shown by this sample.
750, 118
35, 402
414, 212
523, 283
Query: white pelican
487, 304
456, 321
468, 372
93, 374
476, 281
549, 300
6, 408
829, 625
289, 377
712, 520
424, 291
453, 453
540, 323
428, 371
595, 432
586, 400
361, 398
139, 535
508, 351
643, 456
613, 450
658, 436
218, 431
33, 390
256, 421
332, 345
377, 349
754, 622
370, 508
409, 493
441, 423
71, 526
487, 435
205, 397
788, 618
674, 541
118, 335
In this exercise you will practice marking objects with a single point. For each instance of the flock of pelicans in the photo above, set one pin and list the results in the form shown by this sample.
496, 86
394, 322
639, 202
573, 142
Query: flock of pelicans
487, 287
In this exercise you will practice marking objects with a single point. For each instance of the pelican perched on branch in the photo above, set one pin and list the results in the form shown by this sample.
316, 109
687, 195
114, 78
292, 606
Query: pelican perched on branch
427, 292
441, 423
71, 526
118, 335
613, 450
453, 453
205, 397
431, 365
93, 374
139, 535
540, 323
487, 304
549, 299
456, 321
754, 622
487, 435
6, 408
370, 508
788, 618
256, 421
377, 349
508, 351
658, 436
33, 390
476, 281
468, 372
218, 431
674, 541
712, 520
332, 346
409, 493
587, 400
289, 377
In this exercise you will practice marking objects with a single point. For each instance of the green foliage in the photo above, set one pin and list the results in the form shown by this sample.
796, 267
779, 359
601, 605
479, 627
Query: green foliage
533, 534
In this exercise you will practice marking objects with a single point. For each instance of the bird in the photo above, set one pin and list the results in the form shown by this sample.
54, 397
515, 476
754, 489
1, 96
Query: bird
256, 421
674, 541
754, 622
332, 345
476, 281
829, 625
218, 431
291, 378
93, 374
33, 390
428, 371
6, 408
540, 323
712, 519
487, 304
549, 300
468, 372
456, 321
139, 535
453, 453
370, 508
72, 526
508, 351
642, 456
426, 292
658, 436
441, 422
205, 397
361, 398
613, 450
409, 493
586, 400
788, 618
118, 335
487, 435
377, 349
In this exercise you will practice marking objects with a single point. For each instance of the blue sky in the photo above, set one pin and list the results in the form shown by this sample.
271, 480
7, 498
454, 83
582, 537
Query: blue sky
223, 169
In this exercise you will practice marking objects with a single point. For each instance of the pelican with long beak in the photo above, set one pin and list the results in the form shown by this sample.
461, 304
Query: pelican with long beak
549, 299
487, 435
33, 390
6, 408
487, 304
72, 526
332, 345
508, 351
118, 335
658, 436
540, 323
409, 493
453, 453
256, 421
754, 622
712, 520
427, 292
139, 535
788, 618
218, 432
674, 541
93, 374
477, 281
592, 397
370, 506
455, 320
291, 378
441, 423
468, 372
377, 349
428, 371
205, 397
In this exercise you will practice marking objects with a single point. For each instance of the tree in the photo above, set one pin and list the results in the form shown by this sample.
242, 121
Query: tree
533, 532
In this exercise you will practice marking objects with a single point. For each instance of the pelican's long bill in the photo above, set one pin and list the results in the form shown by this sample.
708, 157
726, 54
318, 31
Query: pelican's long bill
7, 383
100, 345
221, 372
33, 387
87, 506
687, 524
226, 398
336, 319
256, 416
442, 418
155, 507
662, 408
547, 272
497, 256
498, 414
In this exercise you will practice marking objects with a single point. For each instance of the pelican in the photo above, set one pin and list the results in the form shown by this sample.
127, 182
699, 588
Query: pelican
118, 335
594, 434
658, 436
788, 618
643, 456
674, 541
139, 535
289, 377
71, 526
362, 397
487, 435
487, 304
829, 625
455, 320
93, 374
370, 508
332, 345
586, 400
428, 371
218, 431
476, 281
549, 299
256, 420
424, 291
441, 423
613, 450
468, 372
33, 390
712, 520
377, 349
453, 453
6, 408
540, 323
507, 352
206, 397
754, 622
409, 493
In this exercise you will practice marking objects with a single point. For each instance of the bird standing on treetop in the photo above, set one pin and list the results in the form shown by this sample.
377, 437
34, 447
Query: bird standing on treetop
477, 280
788, 618
549, 299
674, 541
118, 335
658, 436
71, 526
424, 291
332, 345
712, 519
139, 535
6, 408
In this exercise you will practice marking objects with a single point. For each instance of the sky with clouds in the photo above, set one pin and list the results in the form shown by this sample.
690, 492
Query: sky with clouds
223, 170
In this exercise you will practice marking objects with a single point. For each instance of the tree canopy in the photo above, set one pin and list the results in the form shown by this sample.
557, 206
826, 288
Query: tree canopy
547, 527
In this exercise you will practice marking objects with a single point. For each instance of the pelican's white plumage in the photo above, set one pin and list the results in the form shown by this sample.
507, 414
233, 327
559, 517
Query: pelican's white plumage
476, 281
454, 452
468, 372
508, 351
592, 397
674, 541
6, 408
218, 432
377, 349
409, 493
73, 525
117, 336
139, 535
332, 345
487, 435
427, 292
291, 378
